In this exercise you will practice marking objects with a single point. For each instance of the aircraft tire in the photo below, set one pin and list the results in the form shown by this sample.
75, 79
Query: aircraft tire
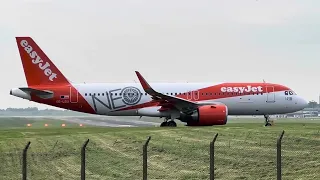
164, 124
172, 124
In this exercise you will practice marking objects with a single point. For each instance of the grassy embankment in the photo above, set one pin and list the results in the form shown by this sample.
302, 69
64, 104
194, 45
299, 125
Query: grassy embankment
243, 151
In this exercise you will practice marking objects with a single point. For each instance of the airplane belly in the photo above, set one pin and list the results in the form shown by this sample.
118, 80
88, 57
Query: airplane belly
248, 108
152, 112
243, 105
122, 113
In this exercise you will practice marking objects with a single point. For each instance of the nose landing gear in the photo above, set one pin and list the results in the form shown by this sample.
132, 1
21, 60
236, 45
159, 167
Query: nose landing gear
267, 122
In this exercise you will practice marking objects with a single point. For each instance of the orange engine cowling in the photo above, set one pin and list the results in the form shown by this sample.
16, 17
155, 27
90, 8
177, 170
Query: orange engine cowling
208, 115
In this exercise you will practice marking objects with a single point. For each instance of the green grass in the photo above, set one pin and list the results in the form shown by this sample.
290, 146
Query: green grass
243, 151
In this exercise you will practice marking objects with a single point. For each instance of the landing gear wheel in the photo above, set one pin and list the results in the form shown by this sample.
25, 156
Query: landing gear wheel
268, 124
171, 124
167, 123
163, 124
267, 120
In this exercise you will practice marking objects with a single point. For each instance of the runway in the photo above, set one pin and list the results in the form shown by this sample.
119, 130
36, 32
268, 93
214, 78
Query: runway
111, 121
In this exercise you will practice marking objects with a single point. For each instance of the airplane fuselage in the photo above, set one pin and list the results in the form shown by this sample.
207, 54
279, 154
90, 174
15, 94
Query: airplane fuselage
129, 99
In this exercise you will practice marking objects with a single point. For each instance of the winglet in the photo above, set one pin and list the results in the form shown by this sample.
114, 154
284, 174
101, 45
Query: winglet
143, 82
167, 98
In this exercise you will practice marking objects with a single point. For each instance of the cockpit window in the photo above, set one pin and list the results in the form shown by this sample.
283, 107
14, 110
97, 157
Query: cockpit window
289, 93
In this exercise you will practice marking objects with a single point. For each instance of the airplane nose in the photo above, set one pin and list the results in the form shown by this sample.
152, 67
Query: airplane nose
304, 103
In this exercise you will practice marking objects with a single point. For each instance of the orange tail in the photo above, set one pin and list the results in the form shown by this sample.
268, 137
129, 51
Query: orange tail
38, 68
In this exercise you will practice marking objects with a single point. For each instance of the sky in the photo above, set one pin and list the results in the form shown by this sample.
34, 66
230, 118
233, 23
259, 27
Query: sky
167, 41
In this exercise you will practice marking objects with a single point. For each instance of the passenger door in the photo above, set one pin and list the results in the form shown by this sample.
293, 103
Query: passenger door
270, 94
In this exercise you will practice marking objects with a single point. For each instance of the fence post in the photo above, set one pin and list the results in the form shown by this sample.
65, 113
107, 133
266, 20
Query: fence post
24, 161
145, 166
212, 157
83, 160
279, 156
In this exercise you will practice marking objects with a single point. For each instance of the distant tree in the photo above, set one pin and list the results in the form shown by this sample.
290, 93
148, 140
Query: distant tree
22, 109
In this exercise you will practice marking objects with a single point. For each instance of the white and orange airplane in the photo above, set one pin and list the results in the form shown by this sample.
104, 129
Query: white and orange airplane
196, 104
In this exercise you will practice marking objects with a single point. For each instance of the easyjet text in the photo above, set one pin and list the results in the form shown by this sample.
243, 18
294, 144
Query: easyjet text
242, 89
36, 59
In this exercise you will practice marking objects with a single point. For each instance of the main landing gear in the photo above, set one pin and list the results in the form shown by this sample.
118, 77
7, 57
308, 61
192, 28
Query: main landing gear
169, 123
267, 120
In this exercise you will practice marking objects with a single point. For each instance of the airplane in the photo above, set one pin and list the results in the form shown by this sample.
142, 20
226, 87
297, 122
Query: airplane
195, 104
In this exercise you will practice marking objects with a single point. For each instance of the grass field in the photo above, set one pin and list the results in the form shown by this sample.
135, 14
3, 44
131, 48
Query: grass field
244, 150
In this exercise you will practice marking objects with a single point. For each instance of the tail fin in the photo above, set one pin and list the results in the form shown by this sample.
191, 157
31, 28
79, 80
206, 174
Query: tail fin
38, 68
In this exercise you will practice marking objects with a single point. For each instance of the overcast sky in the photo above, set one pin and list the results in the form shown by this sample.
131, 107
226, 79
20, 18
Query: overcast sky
166, 40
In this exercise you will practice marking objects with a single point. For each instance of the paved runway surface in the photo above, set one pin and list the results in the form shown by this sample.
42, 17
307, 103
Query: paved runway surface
111, 121
122, 121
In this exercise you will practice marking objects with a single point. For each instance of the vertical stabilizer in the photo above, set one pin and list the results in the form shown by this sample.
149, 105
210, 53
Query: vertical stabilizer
38, 68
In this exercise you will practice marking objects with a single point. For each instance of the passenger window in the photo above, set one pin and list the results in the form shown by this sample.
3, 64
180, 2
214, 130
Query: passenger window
102, 94
85, 94
98, 94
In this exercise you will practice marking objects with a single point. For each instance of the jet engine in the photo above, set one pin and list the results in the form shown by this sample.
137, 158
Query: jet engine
207, 115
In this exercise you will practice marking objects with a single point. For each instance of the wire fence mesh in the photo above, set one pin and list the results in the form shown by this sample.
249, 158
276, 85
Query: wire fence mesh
114, 159
58, 161
176, 157
10, 166
300, 155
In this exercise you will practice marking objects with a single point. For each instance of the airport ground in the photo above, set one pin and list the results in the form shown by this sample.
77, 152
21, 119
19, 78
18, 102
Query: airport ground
245, 149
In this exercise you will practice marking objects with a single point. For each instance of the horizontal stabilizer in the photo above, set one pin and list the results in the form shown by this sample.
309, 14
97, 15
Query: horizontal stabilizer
45, 94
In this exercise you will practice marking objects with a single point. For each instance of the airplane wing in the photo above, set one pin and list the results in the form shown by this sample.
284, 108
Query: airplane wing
179, 103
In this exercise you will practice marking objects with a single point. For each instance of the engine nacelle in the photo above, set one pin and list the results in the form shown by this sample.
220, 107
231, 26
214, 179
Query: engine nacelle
207, 115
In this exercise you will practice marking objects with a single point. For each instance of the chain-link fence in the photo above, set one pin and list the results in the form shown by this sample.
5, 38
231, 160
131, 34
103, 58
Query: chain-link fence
173, 158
